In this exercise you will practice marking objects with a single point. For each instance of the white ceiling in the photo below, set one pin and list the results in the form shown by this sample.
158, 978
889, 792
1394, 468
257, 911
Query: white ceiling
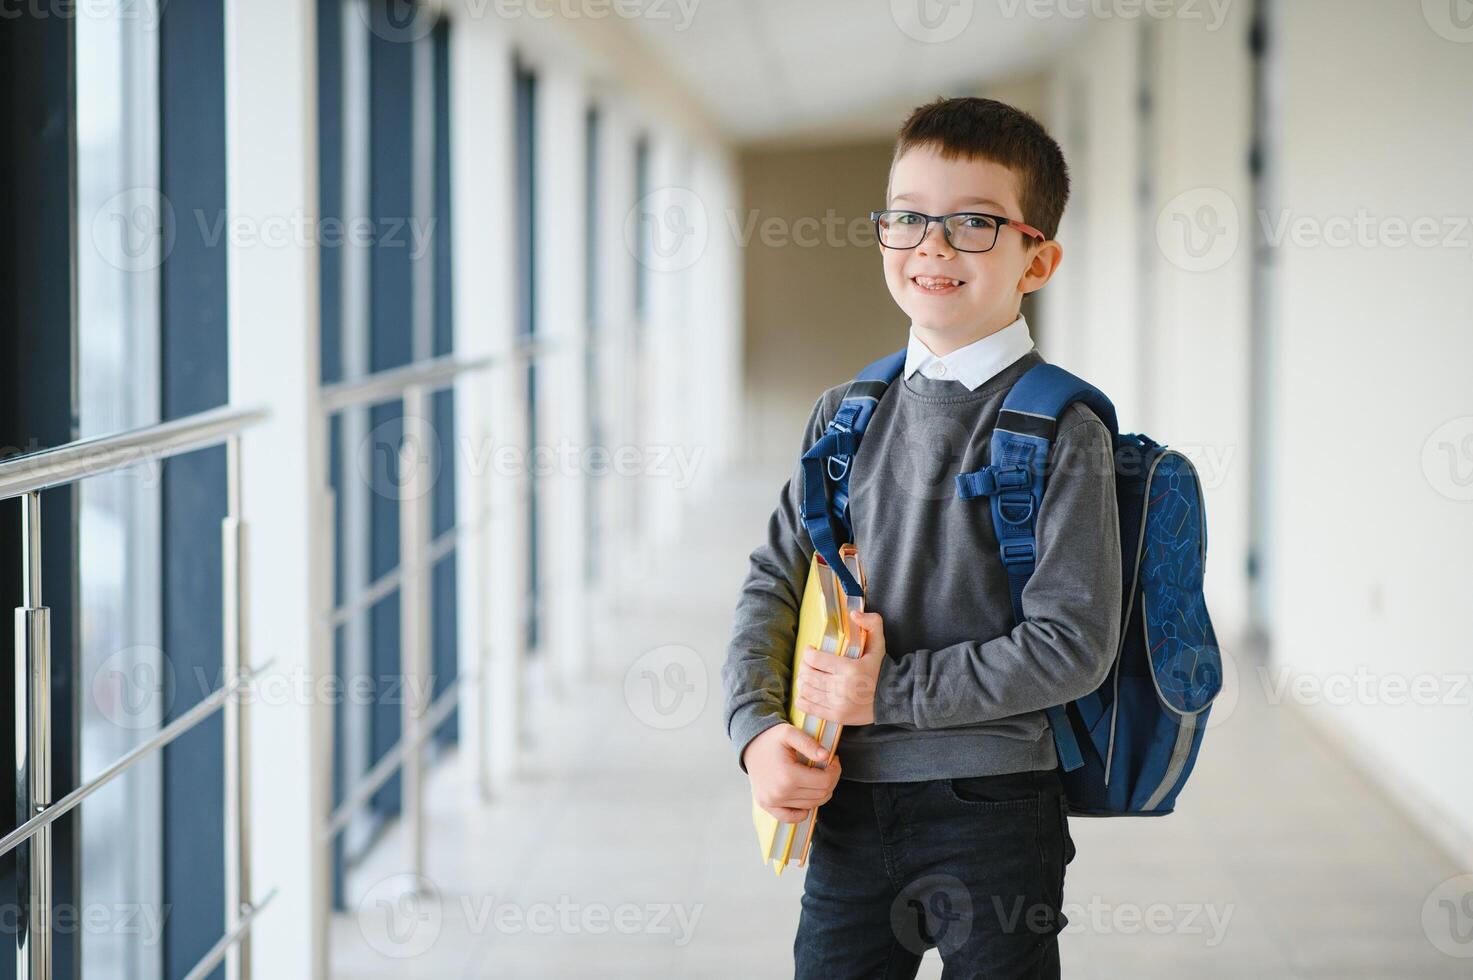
778, 70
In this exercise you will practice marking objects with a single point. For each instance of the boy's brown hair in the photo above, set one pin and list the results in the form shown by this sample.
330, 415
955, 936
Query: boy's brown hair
969, 128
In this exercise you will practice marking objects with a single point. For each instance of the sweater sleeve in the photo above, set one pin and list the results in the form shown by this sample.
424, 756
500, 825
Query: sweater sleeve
1067, 642
758, 668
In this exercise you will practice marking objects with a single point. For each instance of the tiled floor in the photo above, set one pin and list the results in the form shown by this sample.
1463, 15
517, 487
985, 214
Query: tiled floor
626, 851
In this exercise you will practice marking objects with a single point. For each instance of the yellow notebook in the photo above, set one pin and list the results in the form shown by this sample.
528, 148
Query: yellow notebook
823, 623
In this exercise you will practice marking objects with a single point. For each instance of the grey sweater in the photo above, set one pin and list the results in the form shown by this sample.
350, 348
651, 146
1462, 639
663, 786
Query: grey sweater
962, 690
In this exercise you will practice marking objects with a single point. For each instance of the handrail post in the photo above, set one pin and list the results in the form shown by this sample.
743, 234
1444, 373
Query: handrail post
237, 750
415, 464
322, 767
32, 754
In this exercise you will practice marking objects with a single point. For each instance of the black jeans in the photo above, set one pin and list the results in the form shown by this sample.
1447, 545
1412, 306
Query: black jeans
974, 867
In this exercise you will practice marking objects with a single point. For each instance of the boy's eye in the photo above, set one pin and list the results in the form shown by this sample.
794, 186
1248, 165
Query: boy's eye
977, 221
906, 218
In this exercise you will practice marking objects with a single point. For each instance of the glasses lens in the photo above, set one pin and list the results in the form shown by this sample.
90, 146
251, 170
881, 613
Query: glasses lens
901, 229
972, 232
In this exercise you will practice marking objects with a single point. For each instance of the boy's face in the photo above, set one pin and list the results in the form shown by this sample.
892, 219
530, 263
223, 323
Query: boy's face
992, 282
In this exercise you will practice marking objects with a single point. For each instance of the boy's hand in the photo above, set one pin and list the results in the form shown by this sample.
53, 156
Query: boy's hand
837, 688
782, 783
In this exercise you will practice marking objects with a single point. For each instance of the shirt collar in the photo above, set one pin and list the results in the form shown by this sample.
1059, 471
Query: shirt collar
976, 362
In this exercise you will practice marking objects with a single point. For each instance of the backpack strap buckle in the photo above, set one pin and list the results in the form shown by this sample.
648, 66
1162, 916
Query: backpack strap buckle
1018, 553
991, 479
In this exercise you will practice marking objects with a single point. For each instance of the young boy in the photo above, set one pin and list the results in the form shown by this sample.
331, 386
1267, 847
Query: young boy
946, 823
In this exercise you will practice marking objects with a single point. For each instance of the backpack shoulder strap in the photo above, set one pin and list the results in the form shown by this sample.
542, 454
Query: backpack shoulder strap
826, 464
1047, 389
1014, 481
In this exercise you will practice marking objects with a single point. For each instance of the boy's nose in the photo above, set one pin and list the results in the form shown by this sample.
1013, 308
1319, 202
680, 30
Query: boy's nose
934, 242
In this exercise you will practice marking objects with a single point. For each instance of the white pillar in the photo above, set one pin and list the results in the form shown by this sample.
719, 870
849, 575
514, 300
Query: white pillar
490, 406
271, 147
562, 395
713, 350
617, 394
678, 228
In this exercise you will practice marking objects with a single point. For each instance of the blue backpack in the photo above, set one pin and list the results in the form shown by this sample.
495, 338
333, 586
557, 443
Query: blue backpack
1126, 748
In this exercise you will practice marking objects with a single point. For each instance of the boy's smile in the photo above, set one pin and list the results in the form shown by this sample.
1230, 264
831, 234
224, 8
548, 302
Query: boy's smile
953, 296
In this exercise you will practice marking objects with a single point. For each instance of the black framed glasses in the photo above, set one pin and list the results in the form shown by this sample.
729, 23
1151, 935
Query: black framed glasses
965, 231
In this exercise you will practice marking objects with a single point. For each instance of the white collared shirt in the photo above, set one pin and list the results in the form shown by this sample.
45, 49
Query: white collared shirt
974, 363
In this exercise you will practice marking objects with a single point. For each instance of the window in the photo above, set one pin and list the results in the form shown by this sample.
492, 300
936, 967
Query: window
526, 248
1267, 83
642, 264
384, 113
119, 211
124, 133
445, 661
594, 336
37, 407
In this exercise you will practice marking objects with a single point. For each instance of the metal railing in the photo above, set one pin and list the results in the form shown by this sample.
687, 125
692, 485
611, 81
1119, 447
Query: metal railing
25, 477
419, 550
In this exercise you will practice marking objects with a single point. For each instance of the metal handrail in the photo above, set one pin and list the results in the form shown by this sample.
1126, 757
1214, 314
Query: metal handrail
430, 374
415, 384
103, 454
232, 936
382, 587
25, 477
208, 706
392, 761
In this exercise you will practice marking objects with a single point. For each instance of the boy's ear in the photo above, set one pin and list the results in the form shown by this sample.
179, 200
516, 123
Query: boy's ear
1046, 258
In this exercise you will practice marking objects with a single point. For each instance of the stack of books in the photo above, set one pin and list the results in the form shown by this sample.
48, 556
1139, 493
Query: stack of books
824, 624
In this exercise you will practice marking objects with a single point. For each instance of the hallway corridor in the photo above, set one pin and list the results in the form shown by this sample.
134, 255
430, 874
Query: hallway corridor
396, 390
1282, 862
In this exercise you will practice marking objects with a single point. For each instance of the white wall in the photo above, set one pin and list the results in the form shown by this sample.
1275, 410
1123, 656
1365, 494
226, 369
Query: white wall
1164, 336
1196, 321
1373, 346
1092, 303
1375, 556
271, 148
